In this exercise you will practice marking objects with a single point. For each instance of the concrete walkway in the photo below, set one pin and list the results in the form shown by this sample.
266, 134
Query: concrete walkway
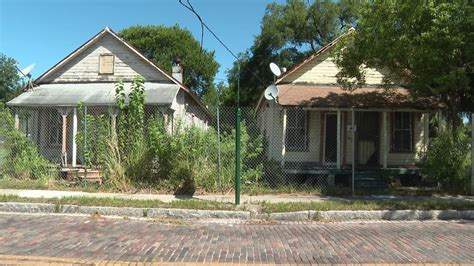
277, 198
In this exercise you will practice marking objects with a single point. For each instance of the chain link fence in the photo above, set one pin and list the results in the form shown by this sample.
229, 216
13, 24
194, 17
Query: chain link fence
288, 150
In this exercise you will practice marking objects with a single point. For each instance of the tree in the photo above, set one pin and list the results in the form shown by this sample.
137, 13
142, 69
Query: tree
10, 84
427, 47
163, 44
289, 33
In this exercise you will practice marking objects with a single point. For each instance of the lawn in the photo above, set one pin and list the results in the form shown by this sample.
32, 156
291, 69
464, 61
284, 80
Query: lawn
262, 207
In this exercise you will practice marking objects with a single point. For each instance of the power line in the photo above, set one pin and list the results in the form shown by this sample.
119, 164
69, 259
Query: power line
190, 7
204, 25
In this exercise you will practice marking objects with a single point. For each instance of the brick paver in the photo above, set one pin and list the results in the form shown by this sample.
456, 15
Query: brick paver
107, 239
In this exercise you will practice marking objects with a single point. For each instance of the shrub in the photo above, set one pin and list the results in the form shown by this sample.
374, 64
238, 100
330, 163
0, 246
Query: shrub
146, 153
21, 159
92, 139
448, 160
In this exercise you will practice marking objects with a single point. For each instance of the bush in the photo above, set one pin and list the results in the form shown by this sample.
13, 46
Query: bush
21, 159
147, 154
188, 158
448, 160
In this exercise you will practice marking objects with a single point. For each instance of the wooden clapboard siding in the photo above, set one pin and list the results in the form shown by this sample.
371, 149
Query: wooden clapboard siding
272, 125
323, 70
187, 112
85, 67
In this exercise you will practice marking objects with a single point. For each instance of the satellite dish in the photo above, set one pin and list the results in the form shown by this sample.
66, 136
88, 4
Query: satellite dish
271, 92
26, 72
275, 69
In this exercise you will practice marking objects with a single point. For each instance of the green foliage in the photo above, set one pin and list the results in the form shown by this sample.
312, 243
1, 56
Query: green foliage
289, 33
131, 130
163, 44
92, 136
427, 46
149, 153
10, 84
189, 156
448, 160
21, 159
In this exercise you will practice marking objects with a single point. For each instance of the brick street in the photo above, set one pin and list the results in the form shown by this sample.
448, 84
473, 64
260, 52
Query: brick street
115, 239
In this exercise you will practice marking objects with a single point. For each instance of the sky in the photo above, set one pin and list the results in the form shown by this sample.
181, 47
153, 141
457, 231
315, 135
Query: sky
45, 31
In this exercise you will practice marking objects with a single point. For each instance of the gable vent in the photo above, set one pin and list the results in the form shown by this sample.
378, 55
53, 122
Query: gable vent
106, 64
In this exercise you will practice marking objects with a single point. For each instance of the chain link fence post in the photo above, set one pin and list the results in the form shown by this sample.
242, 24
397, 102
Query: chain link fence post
472, 153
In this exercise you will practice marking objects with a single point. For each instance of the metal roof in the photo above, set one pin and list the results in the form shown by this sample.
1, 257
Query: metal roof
91, 94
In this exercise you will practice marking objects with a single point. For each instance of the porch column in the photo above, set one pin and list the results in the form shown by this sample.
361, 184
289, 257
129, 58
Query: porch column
283, 140
353, 130
385, 143
17, 121
74, 133
64, 112
338, 160
426, 130
472, 153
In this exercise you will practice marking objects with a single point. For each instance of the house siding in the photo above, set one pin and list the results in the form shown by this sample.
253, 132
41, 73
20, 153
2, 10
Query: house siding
272, 127
270, 123
323, 70
187, 112
85, 67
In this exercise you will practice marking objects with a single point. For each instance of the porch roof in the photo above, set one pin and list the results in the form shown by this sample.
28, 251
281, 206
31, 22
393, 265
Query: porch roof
367, 97
92, 94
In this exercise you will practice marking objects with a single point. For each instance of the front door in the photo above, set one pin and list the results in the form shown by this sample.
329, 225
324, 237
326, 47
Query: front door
367, 140
330, 139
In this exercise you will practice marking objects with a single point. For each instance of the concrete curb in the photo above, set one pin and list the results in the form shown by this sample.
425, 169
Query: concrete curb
381, 215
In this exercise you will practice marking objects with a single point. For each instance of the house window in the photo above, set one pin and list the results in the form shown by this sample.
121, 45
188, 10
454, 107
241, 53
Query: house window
402, 132
55, 128
106, 64
297, 130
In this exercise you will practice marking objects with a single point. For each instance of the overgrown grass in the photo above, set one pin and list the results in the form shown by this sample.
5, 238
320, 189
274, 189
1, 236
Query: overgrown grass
12, 183
116, 202
252, 189
368, 205
264, 207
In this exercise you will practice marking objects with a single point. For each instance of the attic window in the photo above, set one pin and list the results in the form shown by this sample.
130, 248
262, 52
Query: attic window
106, 64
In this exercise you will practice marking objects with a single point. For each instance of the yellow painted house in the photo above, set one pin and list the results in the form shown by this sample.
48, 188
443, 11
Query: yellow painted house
314, 124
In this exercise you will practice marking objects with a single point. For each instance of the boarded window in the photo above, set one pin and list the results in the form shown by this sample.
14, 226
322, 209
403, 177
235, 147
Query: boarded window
297, 130
106, 64
402, 132
55, 128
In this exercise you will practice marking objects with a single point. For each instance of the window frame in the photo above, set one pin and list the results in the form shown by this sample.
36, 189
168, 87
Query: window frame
57, 125
393, 130
304, 128
101, 72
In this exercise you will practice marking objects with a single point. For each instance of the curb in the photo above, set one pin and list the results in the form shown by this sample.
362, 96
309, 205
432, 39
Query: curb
380, 215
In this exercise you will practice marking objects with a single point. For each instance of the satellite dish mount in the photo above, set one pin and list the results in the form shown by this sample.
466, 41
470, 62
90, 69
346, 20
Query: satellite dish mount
26, 73
271, 93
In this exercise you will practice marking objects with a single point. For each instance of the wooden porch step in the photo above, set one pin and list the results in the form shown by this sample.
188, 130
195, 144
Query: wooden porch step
90, 175
369, 181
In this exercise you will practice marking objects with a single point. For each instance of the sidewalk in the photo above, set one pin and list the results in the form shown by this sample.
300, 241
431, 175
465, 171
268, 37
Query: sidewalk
277, 198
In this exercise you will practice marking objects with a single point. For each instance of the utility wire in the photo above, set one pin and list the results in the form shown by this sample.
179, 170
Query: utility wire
190, 7
204, 25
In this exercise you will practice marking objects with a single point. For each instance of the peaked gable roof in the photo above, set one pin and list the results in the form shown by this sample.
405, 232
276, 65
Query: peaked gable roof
313, 56
108, 31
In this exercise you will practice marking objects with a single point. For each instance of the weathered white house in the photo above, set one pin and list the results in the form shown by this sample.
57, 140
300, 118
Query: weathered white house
310, 125
88, 75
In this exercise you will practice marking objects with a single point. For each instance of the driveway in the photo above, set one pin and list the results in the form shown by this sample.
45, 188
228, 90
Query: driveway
60, 238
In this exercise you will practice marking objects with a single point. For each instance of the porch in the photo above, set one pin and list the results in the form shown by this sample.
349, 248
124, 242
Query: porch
337, 138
